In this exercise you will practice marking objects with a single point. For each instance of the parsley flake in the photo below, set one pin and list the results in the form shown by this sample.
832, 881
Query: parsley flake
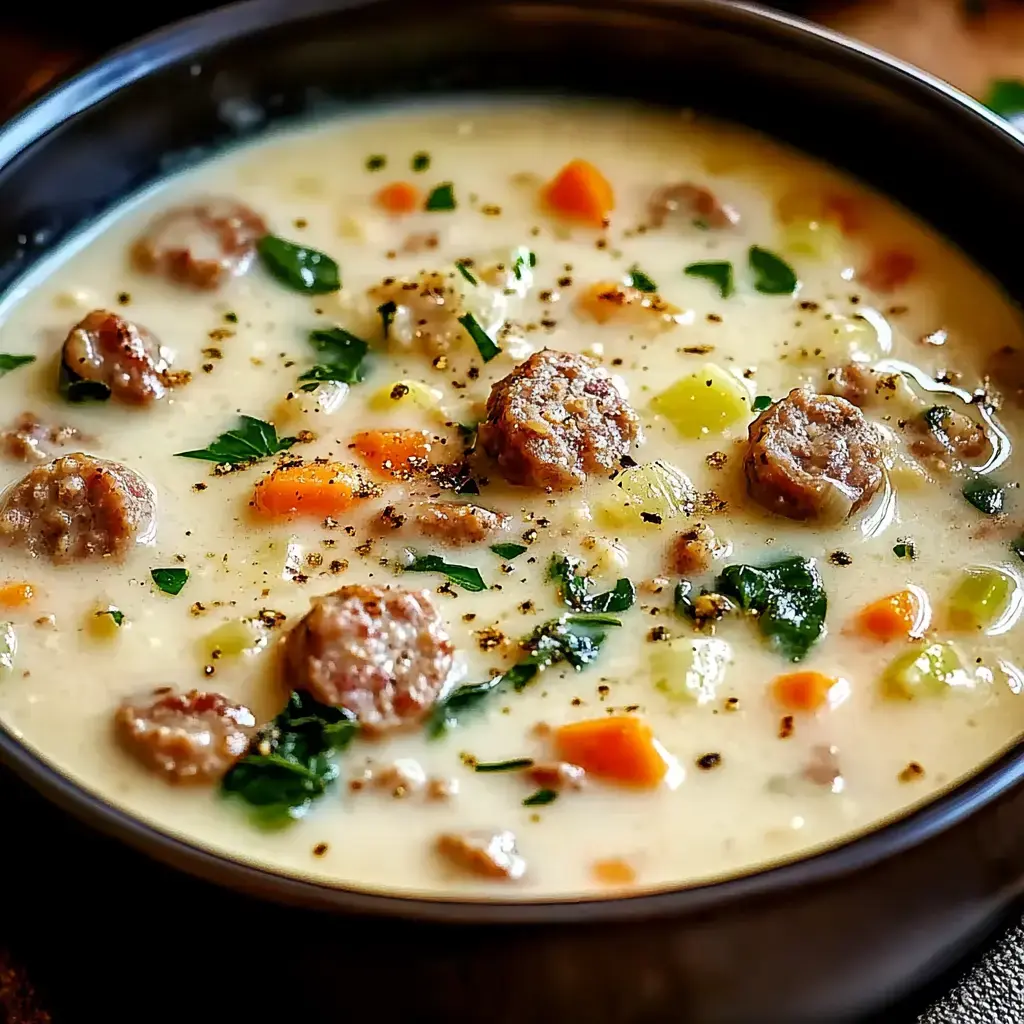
464, 576
640, 281
483, 341
170, 581
772, 274
251, 441
10, 362
343, 354
298, 267
718, 272
441, 198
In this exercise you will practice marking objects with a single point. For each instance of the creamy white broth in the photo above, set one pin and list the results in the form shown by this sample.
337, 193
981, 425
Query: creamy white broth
313, 187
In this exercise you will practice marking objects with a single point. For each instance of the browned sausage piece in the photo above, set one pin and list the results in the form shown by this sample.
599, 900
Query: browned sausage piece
813, 457
694, 202
128, 359
863, 386
201, 245
558, 775
555, 419
190, 737
29, 439
449, 522
78, 507
692, 552
382, 654
487, 854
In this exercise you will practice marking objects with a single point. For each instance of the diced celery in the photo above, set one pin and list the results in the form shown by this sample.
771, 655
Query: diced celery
818, 239
307, 408
8, 648
981, 597
230, 639
926, 670
703, 402
837, 340
690, 669
401, 393
648, 494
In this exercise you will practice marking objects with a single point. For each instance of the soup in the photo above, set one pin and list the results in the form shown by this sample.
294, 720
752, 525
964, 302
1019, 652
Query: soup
511, 501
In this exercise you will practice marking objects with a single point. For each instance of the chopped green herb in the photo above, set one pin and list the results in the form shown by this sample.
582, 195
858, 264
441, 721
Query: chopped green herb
468, 433
442, 198
387, 312
343, 354
486, 346
517, 764
575, 588
682, 602
118, 616
762, 402
508, 551
718, 272
985, 496
10, 362
936, 418
170, 581
905, 549
640, 281
290, 763
1005, 97
524, 258
464, 576
376, 162
465, 272
576, 639
299, 267
420, 162
232, 318
540, 798
251, 441
787, 596
772, 274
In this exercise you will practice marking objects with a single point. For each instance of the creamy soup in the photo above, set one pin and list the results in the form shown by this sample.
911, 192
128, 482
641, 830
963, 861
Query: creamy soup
611, 500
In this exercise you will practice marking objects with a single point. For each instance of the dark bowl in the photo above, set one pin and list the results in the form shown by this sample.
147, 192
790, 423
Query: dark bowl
829, 938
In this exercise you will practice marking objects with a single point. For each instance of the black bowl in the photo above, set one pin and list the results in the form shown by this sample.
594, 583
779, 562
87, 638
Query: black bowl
829, 938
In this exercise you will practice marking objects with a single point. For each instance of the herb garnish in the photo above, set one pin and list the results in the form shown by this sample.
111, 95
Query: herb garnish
420, 161
118, 616
290, 762
343, 354
299, 267
985, 496
524, 258
718, 272
540, 798
575, 589
387, 312
170, 581
640, 281
465, 576
761, 402
484, 343
772, 274
251, 441
508, 551
905, 548
517, 764
376, 162
441, 198
465, 272
1005, 97
10, 362
787, 596
575, 639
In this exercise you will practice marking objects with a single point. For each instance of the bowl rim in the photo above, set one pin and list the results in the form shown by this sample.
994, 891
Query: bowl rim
189, 38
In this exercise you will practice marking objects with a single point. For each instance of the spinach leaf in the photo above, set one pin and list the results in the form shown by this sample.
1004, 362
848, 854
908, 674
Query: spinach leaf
517, 764
905, 549
170, 581
376, 162
442, 198
640, 281
290, 762
483, 341
787, 596
343, 354
1005, 97
462, 699
298, 267
251, 441
761, 402
985, 496
464, 576
465, 272
508, 551
75, 388
718, 272
682, 602
387, 312
10, 362
540, 798
575, 589
772, 274
420, 161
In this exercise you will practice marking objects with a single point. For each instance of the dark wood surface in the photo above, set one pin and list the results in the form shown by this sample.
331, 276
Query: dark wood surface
90, 931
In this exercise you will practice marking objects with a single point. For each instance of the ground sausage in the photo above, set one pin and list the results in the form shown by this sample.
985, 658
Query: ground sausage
191, 737
487, 854
382, 654
692, 552
104, 348
29, 439
78, 507
944, 432
555, 419
697, 203
453, 523
813, 457
201, 245
863, 386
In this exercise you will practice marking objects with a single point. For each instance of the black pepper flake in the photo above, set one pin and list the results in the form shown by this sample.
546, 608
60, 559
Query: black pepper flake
786, 727
659, 633
841, 558
320, 849
708, 761
124, 298
651, 517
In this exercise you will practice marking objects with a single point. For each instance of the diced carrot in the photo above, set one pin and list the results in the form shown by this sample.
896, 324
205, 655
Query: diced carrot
317, 489
16, 594
398, 197
888, 269
802, 691
400, 453
582, 192
620, 748
614, 871
899, 616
